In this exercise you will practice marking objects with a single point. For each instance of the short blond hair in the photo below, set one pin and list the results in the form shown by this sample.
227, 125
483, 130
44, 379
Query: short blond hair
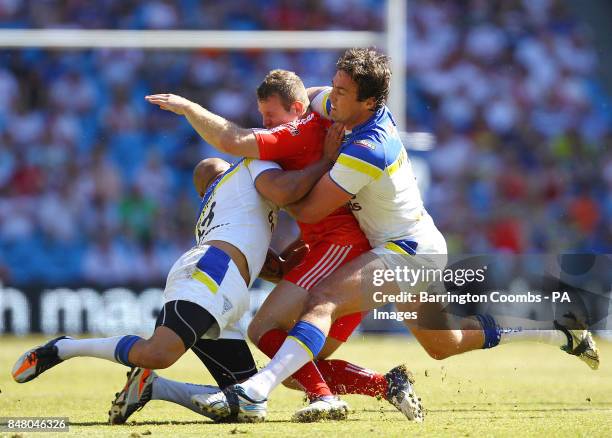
286, 84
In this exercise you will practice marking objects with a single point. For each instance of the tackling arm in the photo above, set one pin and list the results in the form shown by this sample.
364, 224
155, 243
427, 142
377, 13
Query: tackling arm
284, 187
222, 134
323, 199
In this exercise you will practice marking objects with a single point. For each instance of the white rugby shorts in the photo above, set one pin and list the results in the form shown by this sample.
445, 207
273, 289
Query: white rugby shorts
207, 276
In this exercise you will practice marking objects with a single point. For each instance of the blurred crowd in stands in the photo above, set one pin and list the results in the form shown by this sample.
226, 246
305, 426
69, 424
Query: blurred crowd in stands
95, 184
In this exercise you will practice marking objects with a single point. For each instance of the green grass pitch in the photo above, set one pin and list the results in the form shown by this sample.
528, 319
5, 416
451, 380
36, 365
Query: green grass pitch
514, 390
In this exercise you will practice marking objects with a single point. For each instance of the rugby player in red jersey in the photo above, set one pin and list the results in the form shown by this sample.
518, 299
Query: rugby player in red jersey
295, 138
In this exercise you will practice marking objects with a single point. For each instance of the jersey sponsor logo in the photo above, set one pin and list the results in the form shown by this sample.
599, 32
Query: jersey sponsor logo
305, 120
293, 130
292, 127
354, 206
365, 144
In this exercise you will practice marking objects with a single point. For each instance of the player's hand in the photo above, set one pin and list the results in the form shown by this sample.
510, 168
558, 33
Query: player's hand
333, 140
171, 102
272, 269
293, 255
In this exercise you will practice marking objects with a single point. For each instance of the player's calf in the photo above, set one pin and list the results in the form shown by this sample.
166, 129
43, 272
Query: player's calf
179, 326
158, 352
42, 358
129, 350
441, 344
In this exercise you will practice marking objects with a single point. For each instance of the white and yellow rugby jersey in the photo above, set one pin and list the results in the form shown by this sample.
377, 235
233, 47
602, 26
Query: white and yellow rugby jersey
374, 167
234, 212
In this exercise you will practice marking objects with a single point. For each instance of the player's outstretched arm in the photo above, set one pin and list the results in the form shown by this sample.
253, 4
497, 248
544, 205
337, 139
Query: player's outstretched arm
222, 134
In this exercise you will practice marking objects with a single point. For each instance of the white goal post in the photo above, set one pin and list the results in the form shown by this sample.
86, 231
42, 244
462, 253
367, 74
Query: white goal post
393, 41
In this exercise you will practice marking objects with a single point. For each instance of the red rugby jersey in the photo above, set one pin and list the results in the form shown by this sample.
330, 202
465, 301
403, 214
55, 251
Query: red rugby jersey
294, 146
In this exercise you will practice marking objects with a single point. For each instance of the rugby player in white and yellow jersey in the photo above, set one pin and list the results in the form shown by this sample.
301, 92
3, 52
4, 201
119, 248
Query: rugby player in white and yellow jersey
207, 288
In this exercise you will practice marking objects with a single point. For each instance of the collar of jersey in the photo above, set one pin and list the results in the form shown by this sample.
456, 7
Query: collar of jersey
373, 120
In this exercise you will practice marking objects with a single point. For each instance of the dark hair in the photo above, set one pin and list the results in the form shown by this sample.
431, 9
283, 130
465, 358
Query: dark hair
370, 71
286, 84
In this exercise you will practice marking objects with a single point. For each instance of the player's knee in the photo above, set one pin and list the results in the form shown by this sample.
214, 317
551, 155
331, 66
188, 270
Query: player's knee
163, 360
440, 344
320, 301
